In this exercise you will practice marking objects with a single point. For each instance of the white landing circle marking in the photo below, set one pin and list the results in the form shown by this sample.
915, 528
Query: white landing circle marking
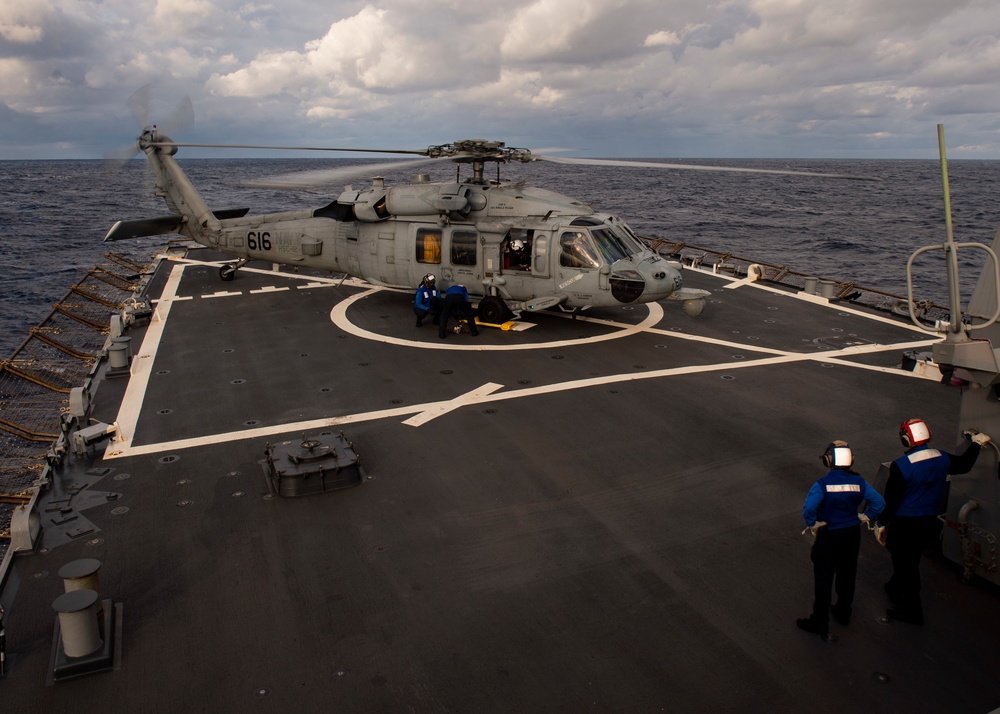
339, 318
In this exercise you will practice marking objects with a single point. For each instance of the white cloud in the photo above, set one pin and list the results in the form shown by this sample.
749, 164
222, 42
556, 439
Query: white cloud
663, 38
693, 76
22, 21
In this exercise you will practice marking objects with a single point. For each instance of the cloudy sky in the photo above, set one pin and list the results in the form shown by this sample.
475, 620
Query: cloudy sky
613, 78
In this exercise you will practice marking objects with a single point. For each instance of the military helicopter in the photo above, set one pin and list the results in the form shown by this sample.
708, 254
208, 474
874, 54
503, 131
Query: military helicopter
514, 247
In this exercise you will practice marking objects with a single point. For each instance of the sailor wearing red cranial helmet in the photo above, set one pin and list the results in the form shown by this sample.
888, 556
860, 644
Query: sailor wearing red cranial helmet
915, 495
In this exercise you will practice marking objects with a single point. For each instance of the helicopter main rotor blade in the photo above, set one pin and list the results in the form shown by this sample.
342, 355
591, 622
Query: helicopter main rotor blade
696, 167
138, 103
181, 119
418, 152
320, 178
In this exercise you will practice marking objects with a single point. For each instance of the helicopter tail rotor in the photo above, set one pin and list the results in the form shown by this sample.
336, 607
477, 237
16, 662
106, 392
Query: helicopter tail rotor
139, 103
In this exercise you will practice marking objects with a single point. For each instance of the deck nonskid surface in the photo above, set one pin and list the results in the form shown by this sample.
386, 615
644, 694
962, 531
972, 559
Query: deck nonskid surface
605, 518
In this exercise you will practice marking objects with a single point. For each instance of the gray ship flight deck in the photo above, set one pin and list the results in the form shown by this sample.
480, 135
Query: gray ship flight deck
592, 514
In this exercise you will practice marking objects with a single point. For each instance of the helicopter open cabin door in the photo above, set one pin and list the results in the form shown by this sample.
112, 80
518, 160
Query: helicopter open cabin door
524, 258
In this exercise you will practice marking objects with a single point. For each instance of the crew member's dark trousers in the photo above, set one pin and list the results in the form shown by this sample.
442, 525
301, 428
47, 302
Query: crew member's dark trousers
435, 311
835, 559
458, 306
905, 541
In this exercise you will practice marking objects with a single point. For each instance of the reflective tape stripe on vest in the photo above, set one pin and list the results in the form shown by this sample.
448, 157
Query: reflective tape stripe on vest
843, 488
918, 456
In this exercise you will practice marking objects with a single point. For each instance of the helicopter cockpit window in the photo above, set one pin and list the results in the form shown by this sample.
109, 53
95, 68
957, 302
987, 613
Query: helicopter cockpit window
628, 238
463, 247
577, 251
615, 246
429, 245
517, 249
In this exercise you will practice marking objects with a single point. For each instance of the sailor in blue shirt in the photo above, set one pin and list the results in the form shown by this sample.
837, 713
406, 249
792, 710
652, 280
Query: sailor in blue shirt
915, 494
456, 302
831, 513
427, 301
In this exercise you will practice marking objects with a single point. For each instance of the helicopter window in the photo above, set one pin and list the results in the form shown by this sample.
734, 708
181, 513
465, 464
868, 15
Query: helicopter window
627, 237
463, 248
541, 264
612, 246
577, 251
428, 245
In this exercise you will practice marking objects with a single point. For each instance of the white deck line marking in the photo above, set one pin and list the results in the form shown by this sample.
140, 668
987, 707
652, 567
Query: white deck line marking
720, 343
338, 315
442, 408
815, 300
176, 298
142, 364
222, 294
352, 282
878, 368
473, 398
269, 289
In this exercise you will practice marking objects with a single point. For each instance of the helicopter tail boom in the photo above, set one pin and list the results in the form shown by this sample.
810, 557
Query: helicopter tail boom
177, 191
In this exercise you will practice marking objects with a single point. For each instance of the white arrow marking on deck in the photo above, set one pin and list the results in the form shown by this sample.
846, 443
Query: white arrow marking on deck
442, 408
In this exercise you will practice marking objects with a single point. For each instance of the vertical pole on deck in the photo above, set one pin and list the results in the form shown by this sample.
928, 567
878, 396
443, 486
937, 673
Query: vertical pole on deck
954, 296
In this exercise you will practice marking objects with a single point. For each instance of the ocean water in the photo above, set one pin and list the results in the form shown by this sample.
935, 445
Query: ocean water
54, 215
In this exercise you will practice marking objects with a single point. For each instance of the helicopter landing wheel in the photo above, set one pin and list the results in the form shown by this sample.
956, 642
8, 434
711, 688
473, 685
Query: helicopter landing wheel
227, 272
494, 310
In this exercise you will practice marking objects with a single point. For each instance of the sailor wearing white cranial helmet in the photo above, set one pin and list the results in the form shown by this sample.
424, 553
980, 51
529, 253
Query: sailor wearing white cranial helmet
915, 495
427, 301
831, 515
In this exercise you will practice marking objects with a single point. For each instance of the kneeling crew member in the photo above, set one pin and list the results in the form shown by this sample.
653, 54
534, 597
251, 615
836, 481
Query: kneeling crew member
831, 513
427, 300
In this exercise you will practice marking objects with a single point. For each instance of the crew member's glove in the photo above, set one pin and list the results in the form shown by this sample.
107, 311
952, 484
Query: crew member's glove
977, 436
814, 528
880, 534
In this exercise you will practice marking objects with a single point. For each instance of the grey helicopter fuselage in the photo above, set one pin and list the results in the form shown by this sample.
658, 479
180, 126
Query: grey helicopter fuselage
529, 247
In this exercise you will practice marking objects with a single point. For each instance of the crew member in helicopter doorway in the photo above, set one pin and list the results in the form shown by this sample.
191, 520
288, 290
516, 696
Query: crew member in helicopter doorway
831, 515
915, 494
456, 302
427, 300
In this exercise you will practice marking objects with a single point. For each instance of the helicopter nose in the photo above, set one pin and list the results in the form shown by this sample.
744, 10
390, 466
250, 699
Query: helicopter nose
666, 279
650, 281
